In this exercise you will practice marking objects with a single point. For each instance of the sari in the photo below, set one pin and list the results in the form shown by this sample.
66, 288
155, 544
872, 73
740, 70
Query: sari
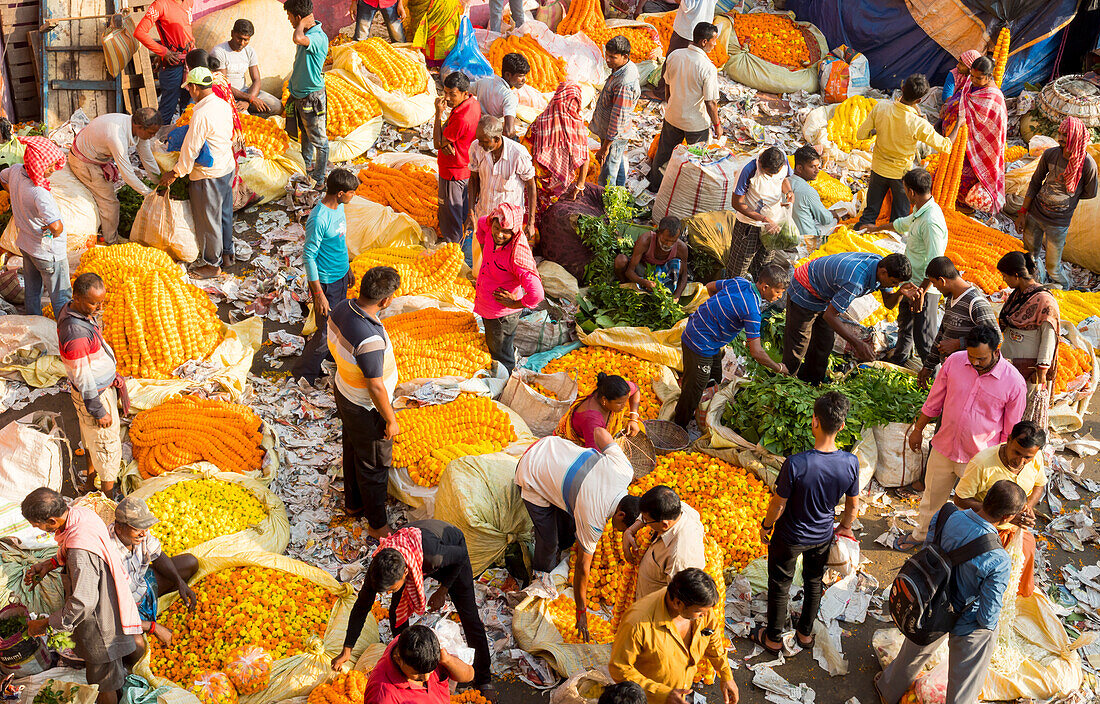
558, 142
616, 422
434, 26
987, 128
1028, 309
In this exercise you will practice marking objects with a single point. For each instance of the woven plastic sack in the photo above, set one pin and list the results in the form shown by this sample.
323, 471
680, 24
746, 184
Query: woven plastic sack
167, 225
698, 184
844, 73
466, 56
371, 225
213, 688
119, 45
398, 109
536, 633
249, 669
267, 177
45, 598
540, 412
763, 75
32, 451
582, 688
479, 496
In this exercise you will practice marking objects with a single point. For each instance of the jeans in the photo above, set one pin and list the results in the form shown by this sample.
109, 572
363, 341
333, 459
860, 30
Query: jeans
613, 171
496, 13
1035, 231
699, 370
781, 564
499, 333
876, 193
316, 351
364, 17
368, 457
807, 343
918, 328
670, 138
308, 116
210, 197
171, 99
968, 659
53, 276
555, 531
454, 208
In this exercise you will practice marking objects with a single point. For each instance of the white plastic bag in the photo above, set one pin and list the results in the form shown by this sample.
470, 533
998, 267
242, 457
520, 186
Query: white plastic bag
843, 557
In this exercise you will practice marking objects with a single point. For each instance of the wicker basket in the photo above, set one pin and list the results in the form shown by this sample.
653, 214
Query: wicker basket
666, 436
639, 450
1071, 96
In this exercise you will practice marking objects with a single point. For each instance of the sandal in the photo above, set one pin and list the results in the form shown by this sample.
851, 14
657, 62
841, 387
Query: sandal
760, 637
908, 492
904, 542
801, 644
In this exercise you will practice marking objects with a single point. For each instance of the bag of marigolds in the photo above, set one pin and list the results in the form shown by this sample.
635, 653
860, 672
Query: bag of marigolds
249, 669
213, 688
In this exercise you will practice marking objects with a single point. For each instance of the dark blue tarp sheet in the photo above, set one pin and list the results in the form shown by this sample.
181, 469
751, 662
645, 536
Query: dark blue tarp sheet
896, 46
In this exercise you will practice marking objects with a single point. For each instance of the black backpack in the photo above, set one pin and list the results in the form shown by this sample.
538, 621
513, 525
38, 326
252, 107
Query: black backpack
920, 597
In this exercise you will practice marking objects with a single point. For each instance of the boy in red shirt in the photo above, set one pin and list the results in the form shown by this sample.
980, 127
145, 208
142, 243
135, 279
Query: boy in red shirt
452, 141
415, 670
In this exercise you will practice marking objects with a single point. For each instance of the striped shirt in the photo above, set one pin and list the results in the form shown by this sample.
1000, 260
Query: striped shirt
89, 361
615, 105
362, 350
960, 316
837, 279
734, 307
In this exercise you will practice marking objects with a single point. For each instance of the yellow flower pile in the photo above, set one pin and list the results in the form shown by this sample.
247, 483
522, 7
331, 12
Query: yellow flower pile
587, 362
831, 189
1075, 306
275, 610
398, 71
407, 189
845, 239
430, 343
547, 71
432, 436
563, 614
663, 24
423, 272
194, 511
846, 119
1072, 363
345, 688
772, 37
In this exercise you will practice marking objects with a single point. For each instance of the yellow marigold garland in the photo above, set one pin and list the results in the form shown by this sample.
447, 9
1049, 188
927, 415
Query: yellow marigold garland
430, 343
846, 119
422, 272
399, 72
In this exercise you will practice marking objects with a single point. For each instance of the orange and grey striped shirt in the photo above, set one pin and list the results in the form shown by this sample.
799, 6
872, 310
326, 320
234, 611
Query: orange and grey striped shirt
362, 350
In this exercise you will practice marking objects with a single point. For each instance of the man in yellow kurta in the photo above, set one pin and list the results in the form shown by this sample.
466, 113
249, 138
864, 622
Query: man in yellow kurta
664, 636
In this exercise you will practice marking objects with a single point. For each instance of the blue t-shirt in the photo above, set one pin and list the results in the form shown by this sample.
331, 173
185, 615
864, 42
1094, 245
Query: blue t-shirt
812, 483
980, 583
306, 76
325, 254
734, 307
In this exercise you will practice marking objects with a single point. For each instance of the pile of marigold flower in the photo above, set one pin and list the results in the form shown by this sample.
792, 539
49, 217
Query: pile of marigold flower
264, 135
409, 189
423, 272
345, 688
194, 511
663, 23
586, 16
563, 614
432, 436
349, 106
398, 71
772, 37
547, 70
188, 429
975, 249
831, 189
430, 343
1075, 306
239, 606
469, 696
1072, 363
846, 119
587, 362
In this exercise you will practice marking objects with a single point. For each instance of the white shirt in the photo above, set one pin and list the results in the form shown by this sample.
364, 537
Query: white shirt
495, 97
587, 484
501, 181
236, 63
109, 139
692, 80
691, 13
211, 124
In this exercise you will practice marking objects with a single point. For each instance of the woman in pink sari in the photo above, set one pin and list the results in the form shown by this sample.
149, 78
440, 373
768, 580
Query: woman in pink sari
982, 105
957, 79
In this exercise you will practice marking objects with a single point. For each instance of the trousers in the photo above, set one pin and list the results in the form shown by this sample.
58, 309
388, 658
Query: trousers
209, 199
364, 17
308, 366
91, 175
103, 445
368, 456
1034, 234
499, 336
967, 662
916, 329
614, 169
670, 137
807, 343
554, 531
782, 559
308, 117
876, 193
699, 370
45, 274
940, 478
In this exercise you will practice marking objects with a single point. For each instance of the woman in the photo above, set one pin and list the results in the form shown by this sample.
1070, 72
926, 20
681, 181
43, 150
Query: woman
957, 79
1030, 322
435, 27
507, 282
558, 142
603, 408
983, 107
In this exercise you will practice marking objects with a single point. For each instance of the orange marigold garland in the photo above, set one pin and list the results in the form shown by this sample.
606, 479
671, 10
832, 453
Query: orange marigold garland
586, 16
1000, 55
663, 24
430, 343
345, 688
409, 189
397, 70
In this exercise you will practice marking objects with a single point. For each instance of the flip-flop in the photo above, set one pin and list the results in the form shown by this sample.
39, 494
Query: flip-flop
804, 646
759, 636
904, 542
908, 492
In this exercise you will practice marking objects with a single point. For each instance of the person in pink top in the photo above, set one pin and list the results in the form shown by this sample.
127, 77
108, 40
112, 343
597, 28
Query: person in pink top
507, 282
978, 396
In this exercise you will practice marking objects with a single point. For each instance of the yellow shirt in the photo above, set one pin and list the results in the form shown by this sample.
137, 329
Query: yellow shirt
897, 130
986, 469
649, 650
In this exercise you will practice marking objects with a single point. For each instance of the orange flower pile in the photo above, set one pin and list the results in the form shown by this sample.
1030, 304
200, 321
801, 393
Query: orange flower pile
423, 272
663, 23
430, 343
772, 37
585, 363
264, 135
945, 184
5, 201
547, 71
1072, 363
399, 71
976, 249
1015, 153
189, 429
432, 436
275, 610
407, 189
345, 688
586, 16
1000, 55
469, 696
563, 614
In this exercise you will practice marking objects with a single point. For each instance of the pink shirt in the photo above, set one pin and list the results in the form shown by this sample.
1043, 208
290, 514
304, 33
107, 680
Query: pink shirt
511, 267
978, 410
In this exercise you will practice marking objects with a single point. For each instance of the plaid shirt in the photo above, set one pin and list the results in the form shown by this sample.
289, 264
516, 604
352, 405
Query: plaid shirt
615, 105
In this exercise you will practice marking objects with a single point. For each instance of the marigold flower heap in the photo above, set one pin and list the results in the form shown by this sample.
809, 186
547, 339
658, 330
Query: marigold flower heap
587, 362
432, 436
398, 71
586, 16
194, 511
1072, 363
846, 119
772, 37
547, 71
345, 688
423, 272
213, 688
976, 249
1075, 306
348, 106
563, 614
275, 610
188, 429
663, 23
430, 343
409, 189
264, 135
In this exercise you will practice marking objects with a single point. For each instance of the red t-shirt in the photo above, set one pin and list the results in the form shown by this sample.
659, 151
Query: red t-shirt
461, 130
173, 22
387, 685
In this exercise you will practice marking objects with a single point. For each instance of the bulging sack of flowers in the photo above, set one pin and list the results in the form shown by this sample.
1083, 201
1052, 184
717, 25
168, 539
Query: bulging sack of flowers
78, 212
397, 78
541, 411
213, 688
771, 52
656, 382
167, 225
205, 512
832, 129
296, 612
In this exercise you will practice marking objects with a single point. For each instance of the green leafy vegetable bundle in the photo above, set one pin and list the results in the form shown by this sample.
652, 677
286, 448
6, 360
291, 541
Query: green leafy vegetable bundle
12, 625
54, 695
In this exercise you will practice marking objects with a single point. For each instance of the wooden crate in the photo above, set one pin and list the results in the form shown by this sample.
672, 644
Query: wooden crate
17, 18
138, 81
75, 71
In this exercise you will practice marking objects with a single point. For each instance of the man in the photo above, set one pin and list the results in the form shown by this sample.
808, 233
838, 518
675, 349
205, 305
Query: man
689, 15
664, 636
678, 542
426, 548
415, 670
151, 573
393, 16
570, 493
965, 308
307, 106
497, 94
925, 233
501, 171
663, 253
692, 110
1064, 176
978, 397
101, 154
496, 14
453, 140
821, 292
98, 608
366, 375
613, 117
898, 127
733, 306
977, 590
800, 522
172, 18
1017, 460
810, 215
211, 187
242, 68
763, 188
